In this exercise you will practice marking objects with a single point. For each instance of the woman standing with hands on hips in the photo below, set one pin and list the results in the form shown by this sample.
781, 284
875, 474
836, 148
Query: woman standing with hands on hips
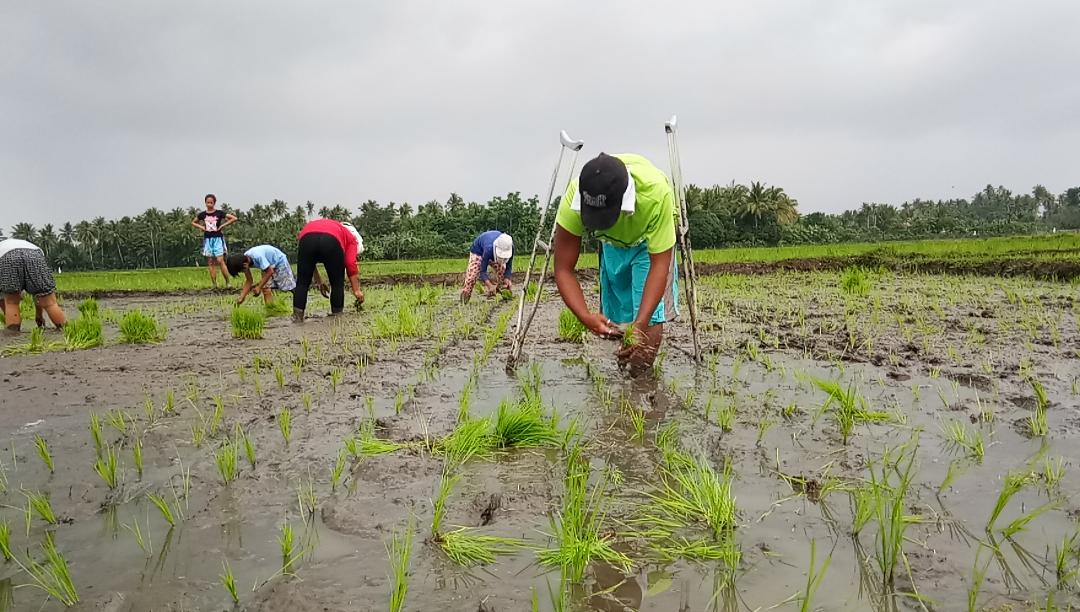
336, 245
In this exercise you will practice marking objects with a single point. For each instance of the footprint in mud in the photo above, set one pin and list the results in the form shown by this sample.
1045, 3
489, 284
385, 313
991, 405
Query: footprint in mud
488, 508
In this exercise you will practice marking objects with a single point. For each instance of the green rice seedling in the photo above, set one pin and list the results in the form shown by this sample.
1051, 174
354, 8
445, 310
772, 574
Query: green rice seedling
637, 419
1021, 522
52, 576
978, 575
851, 407
338, 469
399, 551
247, 324
229, 581
149, 411
571, 328
277, 308
118, 420
891, 482
136, 456
471, 438
83, 333
306, 498
578, 527
88, 307
36, 345
217, 417
170, 402
813, 577
249, 446
38, 503
673, 548
530, 291
198, 434
1052, 473
438, 505
284, 421
5, 540
141, 539
305, 399
163, 507
107, 467
463, 402
1068, 549
764, 425
279, 377
137, 327
958, 437
1037, 420
523, 424
691, 491
468, 549
725, 415
95, 432
43, 452
336, 374
226, 460
287, 545
399, 401
366, 444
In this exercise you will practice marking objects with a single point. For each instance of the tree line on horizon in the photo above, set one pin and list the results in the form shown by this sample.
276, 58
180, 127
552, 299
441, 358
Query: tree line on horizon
720, 216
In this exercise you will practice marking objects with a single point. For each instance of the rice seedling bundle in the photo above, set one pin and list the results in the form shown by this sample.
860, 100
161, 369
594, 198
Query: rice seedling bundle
137, 327
88, 307
247, 323
399, 551
83, 333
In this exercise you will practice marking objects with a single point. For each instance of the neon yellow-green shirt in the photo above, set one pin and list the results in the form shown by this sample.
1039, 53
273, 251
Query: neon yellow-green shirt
653, 220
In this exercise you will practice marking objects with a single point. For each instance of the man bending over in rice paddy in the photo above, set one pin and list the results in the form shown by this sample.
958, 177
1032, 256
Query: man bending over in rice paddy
23, 268
336, 245
630, 206
492, 249
276, 273
211, 221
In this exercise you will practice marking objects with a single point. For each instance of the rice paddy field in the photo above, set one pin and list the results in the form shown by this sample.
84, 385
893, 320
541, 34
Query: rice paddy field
856, 438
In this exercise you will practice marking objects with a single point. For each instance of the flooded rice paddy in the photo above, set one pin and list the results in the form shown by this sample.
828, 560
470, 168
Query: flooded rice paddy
872, 441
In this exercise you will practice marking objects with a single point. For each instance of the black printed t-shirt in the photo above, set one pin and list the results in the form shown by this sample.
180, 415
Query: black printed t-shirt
212, 221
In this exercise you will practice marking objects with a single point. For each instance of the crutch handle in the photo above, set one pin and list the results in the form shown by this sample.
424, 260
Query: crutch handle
570, 143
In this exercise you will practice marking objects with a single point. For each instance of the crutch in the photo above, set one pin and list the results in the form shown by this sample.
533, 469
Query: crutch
683, 231
521, 326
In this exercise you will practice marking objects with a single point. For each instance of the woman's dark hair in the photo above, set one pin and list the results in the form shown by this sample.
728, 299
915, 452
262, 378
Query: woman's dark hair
210, 195
235, 263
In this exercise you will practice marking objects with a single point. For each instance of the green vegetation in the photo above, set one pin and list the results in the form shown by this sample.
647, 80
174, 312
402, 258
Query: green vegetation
107, 467
39, 503
43, 452
571, 328
399, 551
229, 581
52, 575
83, 333
247, 323
578, 529
137, 327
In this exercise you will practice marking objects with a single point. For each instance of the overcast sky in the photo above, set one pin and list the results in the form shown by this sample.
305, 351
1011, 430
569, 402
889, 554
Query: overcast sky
110, 107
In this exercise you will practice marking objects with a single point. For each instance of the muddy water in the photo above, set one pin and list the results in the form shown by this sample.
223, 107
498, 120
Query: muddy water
344, 566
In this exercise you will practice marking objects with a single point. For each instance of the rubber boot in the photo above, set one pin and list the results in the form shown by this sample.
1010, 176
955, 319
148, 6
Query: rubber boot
298, 315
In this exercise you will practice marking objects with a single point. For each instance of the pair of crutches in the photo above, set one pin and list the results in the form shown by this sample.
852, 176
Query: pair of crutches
523, 321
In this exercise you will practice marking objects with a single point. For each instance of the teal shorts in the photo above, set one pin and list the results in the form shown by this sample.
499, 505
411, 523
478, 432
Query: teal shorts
622, 281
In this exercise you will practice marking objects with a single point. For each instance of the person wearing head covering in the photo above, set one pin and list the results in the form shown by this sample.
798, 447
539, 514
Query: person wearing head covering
336, 245
629, 204
23, 268
495, 250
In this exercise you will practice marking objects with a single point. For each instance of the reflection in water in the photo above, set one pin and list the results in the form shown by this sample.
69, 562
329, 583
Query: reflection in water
613, 590
7, 595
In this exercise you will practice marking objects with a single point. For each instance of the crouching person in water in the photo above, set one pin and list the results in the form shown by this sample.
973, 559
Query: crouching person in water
276, 273
492, 249
630, 206
23, 268
336, 246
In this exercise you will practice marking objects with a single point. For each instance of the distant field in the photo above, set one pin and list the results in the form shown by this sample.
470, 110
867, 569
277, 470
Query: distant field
1056, 248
